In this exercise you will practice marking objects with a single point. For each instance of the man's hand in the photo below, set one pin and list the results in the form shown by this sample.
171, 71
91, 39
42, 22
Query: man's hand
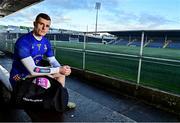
65, 70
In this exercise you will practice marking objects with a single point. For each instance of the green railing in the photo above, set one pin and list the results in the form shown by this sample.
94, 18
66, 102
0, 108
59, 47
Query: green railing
154, 67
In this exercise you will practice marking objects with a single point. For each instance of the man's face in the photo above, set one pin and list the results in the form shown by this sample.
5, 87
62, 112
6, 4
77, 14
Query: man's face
41, 26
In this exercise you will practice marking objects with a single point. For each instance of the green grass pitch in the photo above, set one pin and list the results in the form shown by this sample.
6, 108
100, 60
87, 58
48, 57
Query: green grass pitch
163, 75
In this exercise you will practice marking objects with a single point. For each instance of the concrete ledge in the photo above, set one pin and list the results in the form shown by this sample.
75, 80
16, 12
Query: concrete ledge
161, 99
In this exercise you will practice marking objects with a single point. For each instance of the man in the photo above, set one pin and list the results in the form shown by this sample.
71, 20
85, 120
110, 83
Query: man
28, 70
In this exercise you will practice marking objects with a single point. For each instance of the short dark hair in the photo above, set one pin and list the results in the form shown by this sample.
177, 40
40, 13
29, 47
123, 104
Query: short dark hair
43, 15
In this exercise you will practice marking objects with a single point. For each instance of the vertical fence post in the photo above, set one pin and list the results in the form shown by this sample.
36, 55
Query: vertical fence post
140, 59
84, 52
54, 43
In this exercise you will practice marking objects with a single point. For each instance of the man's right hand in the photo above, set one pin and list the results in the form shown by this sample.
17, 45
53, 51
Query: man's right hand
65, 70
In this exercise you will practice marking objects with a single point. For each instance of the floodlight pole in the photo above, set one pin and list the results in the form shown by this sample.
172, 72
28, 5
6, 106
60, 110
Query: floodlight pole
97, 7
96, 21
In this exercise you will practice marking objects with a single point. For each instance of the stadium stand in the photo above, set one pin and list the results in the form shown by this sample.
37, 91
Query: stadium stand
135, 42
174, 44
147, 42
94, 39
74, 38
166, 43
119, 41
112, 41
58, 36
156, 43
152, 38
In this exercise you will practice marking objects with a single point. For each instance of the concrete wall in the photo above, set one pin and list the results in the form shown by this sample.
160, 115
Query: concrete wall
161, 99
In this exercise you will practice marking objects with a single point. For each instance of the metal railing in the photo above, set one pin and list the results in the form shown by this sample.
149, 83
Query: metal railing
143, 66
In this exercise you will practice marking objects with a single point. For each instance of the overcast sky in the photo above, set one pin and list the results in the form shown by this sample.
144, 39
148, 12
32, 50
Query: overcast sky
80, 15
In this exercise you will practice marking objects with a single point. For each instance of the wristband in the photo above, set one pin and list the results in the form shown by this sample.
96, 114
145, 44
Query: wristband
42, 70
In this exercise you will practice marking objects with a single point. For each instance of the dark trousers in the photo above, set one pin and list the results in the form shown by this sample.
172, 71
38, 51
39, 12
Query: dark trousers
29, 95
